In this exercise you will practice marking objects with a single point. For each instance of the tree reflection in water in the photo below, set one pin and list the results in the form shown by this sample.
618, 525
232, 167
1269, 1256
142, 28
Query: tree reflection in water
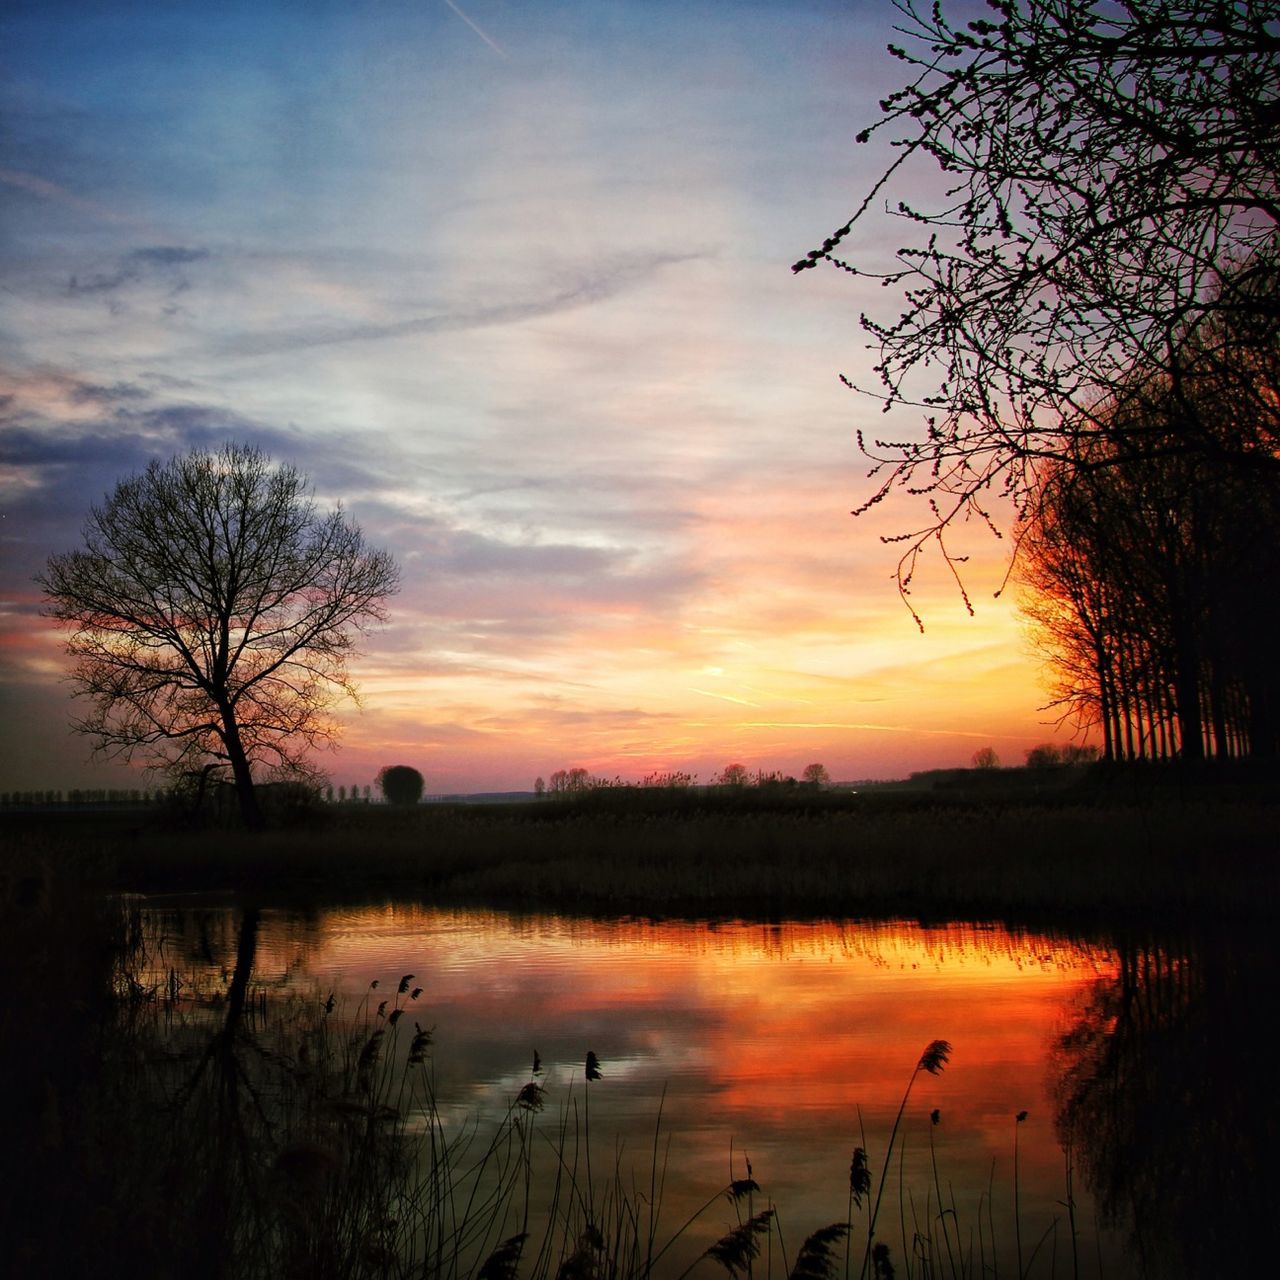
166, 1131
1165, 1086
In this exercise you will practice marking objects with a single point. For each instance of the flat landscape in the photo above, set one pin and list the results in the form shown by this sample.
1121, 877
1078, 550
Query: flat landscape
1106, 845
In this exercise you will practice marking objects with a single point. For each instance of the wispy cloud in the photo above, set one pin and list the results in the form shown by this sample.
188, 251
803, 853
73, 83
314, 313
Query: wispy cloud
592, 286
165, 259
44, 189
863, 726
724, 697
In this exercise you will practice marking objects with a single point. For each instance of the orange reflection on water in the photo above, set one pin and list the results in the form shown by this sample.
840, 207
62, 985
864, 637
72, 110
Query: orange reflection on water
778, 1038
789, 1043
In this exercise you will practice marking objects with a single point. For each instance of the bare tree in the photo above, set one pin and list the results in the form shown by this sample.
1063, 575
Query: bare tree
1109, 175
212, 611
816, 775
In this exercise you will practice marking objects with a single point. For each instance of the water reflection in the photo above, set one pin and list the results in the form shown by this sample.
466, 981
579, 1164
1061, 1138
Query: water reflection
1164, 1086
782, 1045
787, 1044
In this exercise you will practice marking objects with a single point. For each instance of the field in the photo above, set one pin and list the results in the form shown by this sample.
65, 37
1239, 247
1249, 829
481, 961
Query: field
1018, 853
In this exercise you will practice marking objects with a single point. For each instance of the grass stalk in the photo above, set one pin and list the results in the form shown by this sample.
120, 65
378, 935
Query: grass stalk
932, 1060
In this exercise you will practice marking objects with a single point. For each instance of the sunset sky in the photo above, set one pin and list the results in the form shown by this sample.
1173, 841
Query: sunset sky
512, 283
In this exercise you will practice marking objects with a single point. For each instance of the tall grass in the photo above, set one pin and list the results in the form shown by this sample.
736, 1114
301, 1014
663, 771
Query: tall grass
286, 1135
312, 1143
879, 854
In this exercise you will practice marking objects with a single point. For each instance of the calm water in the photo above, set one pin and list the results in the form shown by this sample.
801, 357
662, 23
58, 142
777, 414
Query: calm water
787, 1045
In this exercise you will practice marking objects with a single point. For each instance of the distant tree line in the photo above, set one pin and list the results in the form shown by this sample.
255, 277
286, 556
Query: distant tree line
81, 795
578, 781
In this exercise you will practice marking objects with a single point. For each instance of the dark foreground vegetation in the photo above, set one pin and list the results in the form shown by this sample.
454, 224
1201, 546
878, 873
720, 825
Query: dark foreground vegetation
1010, 844
217, 1129
199, 1121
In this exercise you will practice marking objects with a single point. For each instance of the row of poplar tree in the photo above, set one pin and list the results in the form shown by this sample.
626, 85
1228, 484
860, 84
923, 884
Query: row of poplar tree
1153, 551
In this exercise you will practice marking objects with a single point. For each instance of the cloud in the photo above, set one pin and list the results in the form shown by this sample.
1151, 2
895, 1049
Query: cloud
591, 286
165, 261
34, 185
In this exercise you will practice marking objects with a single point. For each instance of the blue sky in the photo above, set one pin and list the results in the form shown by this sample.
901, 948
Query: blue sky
511, 282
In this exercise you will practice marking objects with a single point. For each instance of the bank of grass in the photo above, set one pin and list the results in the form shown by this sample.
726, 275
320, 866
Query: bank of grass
1156, 851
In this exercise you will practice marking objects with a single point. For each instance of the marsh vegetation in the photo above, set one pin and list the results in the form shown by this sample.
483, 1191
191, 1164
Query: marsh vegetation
211, 1100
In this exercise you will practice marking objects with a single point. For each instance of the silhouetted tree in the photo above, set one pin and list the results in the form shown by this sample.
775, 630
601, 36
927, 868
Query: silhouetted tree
1045, 756
1147, 580
985, 758
212, 610
816, 775
1148, 560
1110, 176
539, 786
401, 784
571, 781
734, 775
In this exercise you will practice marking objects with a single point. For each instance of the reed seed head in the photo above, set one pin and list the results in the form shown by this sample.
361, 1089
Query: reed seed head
883, 1267
531, 1097
934, 1058
421, 1042
816, 1261
736, 1250
503, 1262
859, 1176
593, 1066
404, 983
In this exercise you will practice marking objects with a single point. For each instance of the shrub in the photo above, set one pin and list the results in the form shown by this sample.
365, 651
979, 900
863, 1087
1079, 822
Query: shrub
401, 784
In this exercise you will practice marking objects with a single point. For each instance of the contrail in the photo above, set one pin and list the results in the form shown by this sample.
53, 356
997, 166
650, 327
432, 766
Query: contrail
493, 44
724, 697
881, 728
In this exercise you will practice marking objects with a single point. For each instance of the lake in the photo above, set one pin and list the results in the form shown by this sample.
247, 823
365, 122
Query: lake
733, 1049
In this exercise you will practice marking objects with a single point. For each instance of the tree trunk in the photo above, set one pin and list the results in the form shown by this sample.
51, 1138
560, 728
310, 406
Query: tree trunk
249, 810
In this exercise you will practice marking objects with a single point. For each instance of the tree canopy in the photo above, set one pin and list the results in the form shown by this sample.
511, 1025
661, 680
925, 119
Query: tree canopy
1108, 194
212, 610
401, 784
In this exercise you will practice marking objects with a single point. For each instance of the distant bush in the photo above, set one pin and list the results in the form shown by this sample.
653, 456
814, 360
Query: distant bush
1047, 756
401, 784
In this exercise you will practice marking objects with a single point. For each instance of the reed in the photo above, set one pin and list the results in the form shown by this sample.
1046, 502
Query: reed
307, 1139
892, 854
